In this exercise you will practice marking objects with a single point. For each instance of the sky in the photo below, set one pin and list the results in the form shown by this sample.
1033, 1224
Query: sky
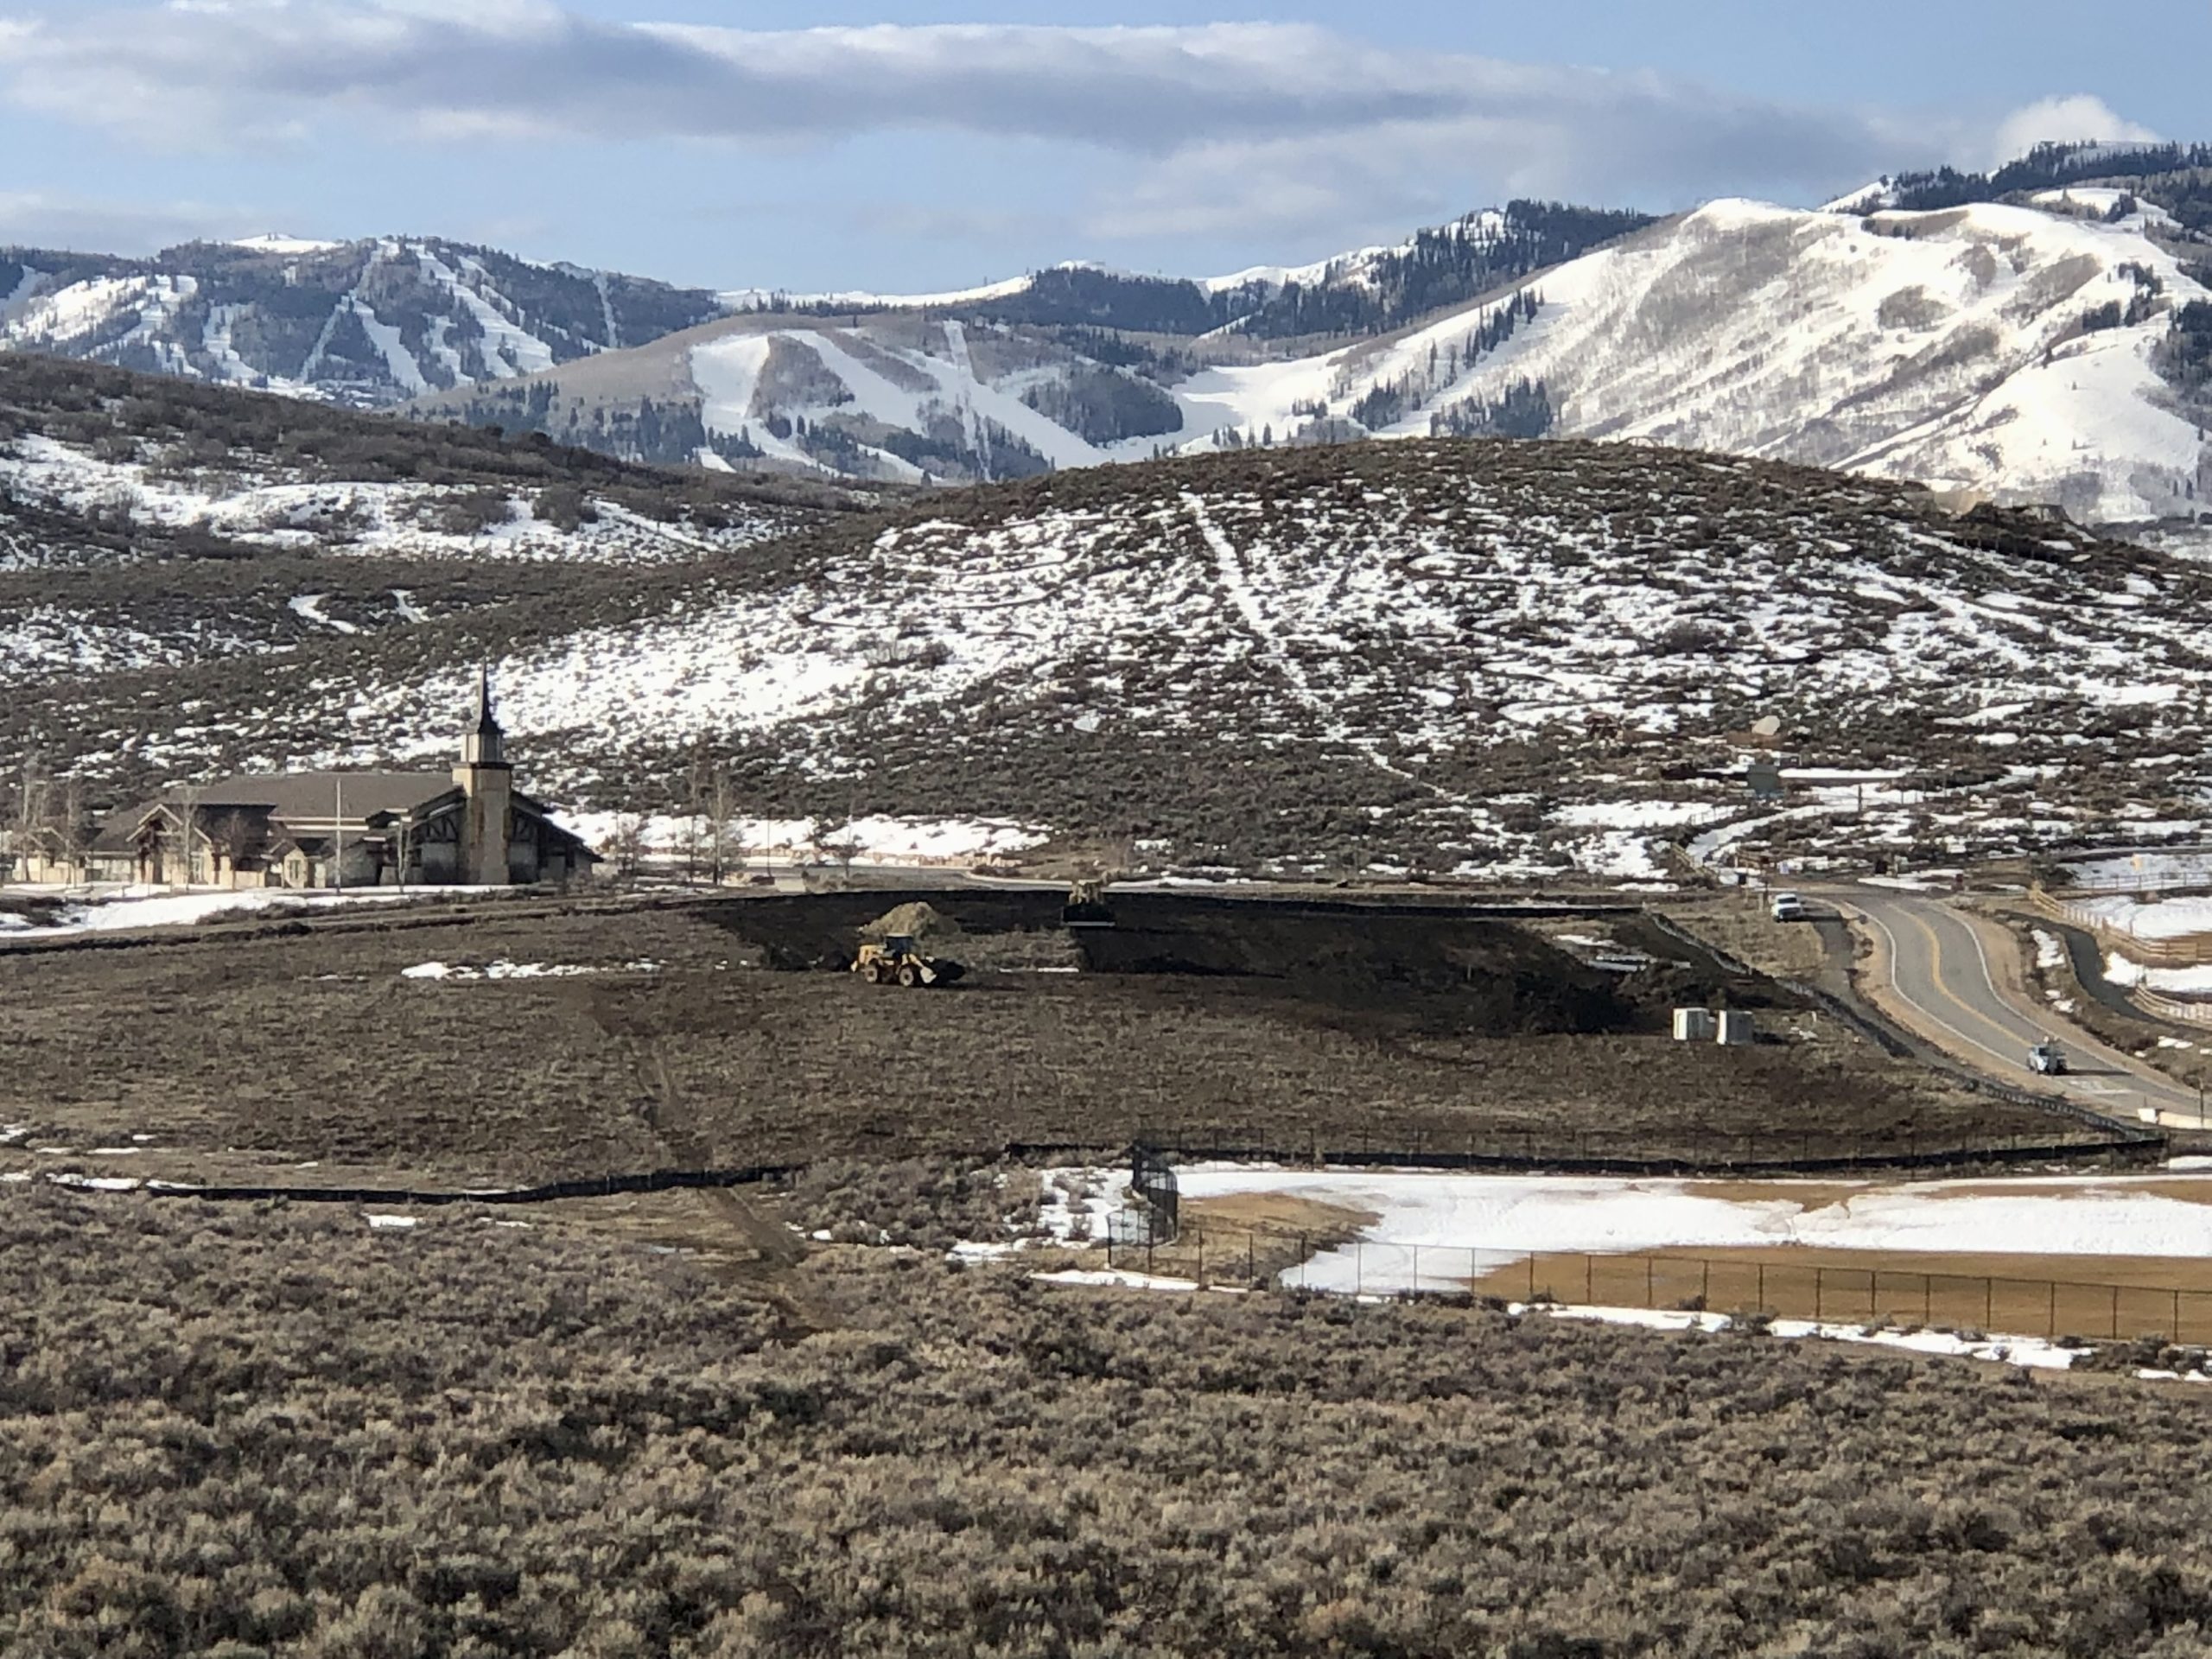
893, 145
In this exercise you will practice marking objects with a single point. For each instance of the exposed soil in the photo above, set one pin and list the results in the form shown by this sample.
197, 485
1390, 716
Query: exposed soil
312, 1048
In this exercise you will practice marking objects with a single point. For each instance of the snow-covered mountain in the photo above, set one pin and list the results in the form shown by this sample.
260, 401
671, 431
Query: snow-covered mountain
365, 323
2051, 346
2045, 353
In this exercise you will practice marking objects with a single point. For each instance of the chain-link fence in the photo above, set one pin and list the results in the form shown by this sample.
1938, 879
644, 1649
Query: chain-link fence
1748, 1283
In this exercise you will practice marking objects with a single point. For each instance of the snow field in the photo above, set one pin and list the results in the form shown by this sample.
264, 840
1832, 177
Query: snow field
1470, 1225
340, 516
1943, 347
2162, 918
136, 907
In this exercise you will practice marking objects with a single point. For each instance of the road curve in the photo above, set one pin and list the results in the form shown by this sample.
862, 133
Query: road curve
1941, 981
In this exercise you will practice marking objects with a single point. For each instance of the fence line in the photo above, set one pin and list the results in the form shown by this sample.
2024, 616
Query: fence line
1260, 1258
1767, 1153
2183, 1010
2181, 950
2175, 950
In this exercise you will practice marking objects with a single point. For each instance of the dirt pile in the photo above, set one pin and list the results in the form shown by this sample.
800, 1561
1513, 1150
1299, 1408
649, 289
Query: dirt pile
916, 919
1391, 968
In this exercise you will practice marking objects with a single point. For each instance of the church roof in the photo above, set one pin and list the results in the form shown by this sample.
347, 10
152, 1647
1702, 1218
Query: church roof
314, 796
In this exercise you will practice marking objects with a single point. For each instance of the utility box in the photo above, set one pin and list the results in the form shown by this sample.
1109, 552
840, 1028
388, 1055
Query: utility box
1694, 1025
1733, 1028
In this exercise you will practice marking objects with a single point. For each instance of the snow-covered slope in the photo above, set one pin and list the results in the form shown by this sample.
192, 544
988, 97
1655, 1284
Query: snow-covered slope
149, 523
1527, 657
1958, 348
368, 323
2006, 352
2022, 352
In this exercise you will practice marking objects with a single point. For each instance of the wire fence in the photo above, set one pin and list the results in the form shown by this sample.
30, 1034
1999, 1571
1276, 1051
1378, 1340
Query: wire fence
2155, 951
1653, 1152
1209, 1254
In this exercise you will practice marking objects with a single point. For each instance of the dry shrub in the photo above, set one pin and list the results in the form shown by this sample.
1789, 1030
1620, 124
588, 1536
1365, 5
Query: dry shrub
233, 1431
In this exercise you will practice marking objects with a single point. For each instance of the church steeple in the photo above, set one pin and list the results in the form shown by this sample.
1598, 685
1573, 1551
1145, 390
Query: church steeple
485, 744
487, 789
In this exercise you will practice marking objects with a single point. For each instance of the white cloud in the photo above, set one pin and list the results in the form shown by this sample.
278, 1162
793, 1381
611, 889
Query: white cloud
39, 219
2079, 118
1282, 127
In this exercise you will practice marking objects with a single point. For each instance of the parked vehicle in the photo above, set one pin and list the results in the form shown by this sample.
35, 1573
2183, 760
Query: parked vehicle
1788, 907
2047, 1059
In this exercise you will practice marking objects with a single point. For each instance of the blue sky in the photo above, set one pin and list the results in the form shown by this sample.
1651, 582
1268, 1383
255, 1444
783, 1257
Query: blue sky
901, 144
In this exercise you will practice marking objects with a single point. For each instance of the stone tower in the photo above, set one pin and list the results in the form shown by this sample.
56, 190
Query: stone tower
488, 782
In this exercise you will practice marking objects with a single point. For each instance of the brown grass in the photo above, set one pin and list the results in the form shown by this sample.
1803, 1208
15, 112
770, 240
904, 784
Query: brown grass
1739, 923
231, 1432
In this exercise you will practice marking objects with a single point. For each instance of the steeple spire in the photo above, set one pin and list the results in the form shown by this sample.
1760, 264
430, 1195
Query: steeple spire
485, 744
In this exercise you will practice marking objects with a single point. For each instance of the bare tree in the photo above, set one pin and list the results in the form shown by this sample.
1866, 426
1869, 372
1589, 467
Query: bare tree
844, 848
231, 838
695, 808
31, 805
627, 844
722, 805
70, 828
181, 840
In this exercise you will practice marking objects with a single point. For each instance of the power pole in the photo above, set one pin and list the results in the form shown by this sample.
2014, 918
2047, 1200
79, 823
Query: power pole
338, 831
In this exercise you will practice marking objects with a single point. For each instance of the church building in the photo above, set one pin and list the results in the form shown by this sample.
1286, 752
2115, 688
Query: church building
469, 827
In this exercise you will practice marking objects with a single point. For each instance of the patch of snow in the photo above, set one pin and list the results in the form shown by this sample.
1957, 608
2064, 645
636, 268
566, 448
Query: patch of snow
1114, 1277
138, 907
273, 242
2033, 1352
2162, 918
309, 608
1467, 1225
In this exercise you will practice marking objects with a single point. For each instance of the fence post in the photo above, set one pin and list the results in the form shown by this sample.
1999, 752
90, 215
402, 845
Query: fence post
2176, 1319
2051, 1328
1705, 1289
1251, 1256
1416, 1250
1202, 1254
2115, 1312
1760, 1293
1589, 1271
1650, 1298
1988, 1304
1532, 1274
1819, 1294
1927, 1298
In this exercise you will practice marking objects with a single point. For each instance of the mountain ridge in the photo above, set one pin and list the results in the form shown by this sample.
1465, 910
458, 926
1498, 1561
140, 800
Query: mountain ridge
2041, 334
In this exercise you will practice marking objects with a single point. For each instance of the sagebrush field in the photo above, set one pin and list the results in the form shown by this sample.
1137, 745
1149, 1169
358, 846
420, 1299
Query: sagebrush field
251, 1431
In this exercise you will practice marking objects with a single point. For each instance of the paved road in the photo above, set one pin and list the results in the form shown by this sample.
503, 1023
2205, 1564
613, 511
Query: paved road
1942, 980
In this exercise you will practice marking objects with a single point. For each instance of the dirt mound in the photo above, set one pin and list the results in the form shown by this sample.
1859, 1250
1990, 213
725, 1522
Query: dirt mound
1393, 969
916, 919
